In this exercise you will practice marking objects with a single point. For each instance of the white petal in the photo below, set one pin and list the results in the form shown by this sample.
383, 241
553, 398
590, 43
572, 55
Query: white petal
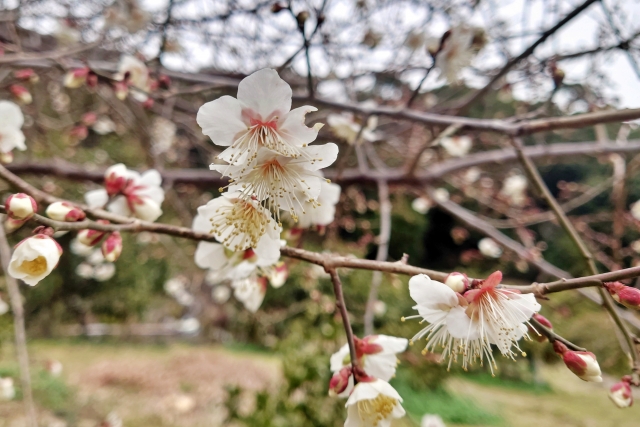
326, 153
10, 115
265, 93
221, 120
460, 325
96, 198
119, 206
431, 294
210, 255
293, 128
336, 362
11, 138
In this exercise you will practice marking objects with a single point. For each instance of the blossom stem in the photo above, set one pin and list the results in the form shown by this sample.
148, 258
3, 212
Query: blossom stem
552, 336
340, 305
15, 299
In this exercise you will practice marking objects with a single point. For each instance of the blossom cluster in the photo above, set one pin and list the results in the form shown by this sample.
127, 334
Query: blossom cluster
275, 177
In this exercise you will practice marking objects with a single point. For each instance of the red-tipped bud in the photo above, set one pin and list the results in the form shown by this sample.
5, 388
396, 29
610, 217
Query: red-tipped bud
148, 103
76, 78
21, 206
459, 282
64, 211
21, 94
582, 363
625, 295
26, 74
620, 393
92, 79
116, 178
121, 89
340, 381
278, 274
78, 133
89, 119
164, 81
112, 247
92, 237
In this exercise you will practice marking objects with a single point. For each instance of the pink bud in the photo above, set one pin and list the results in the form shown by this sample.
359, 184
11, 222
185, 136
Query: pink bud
21, 206
89, 119
76, 78
115, 179
78, 133
148, 103
121, 90
112, 247
620, 393
625, 295
164, 81
64, 211
582, 363
92, 237
26, 74
21, 93
339, 381
92, 79
459, 282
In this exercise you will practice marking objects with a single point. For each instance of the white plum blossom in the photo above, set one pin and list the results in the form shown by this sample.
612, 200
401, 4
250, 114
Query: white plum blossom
441, 194
11, 121
4, 307
422, 205
321, 211
284, 183
136, 74
261, 116
133, 194
376, 356
241, 224
457, 49
65, 34
489, 248
344, 127
163, 133
103, 126
466, 326
188, 326
457, 146
373, 403
250, 291
514, 188
34, 258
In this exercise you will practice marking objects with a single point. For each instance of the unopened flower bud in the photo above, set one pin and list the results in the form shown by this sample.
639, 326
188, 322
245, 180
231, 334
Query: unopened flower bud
121, 90
339, 381
112, 247
164, 81
34, 258
76, 78
582, 363
21, 206
302, 18
620, 393
92, 237
277, 7
89, 119
459, 282
148, 103
11, 225
625, 295
78, 133
92, 79
26, 74
21, 94
64, 211
115, 179
278, 274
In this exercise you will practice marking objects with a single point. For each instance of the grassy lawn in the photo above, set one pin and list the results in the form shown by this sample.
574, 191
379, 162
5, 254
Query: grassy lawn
183, 385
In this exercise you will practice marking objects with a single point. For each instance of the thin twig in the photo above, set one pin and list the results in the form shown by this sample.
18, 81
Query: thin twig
346, 323
381, 255
552, 336
15, 299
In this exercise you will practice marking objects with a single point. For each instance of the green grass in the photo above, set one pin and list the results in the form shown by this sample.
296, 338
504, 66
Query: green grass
451, 408
484, 378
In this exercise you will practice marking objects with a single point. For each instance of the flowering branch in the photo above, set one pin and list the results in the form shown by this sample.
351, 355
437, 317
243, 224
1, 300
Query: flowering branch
552, 336
346, 323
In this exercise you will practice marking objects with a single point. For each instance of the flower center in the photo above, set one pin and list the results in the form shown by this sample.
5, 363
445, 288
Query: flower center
240, 225
35, 267
376, 410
